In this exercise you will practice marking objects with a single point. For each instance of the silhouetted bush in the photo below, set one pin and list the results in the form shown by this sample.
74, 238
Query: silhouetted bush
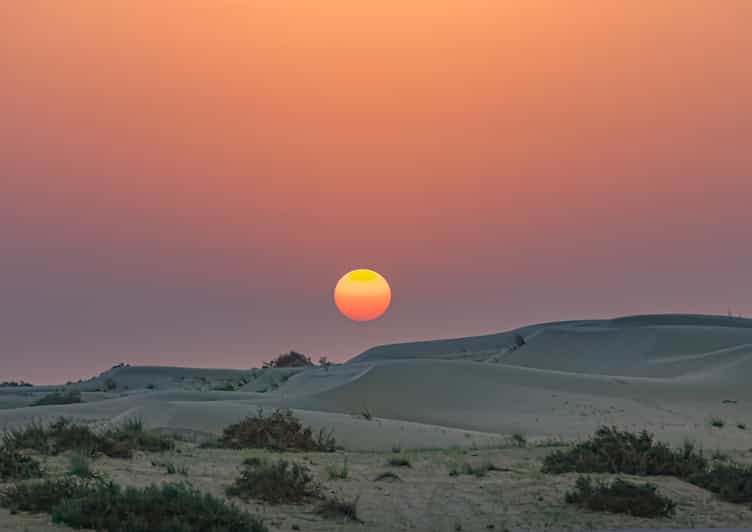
293, 359
59, 398
621, 497
614, 451
279, 431
106, 507
15, 384
274, 482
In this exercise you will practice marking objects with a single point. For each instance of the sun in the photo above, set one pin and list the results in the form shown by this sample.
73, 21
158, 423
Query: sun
362, 295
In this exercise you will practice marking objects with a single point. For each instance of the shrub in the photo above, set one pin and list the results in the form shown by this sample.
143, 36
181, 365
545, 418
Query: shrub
275, 483
59, 398
105, 506
717, 423
63, 435
366, 414
477, 470
80, 465
110, 385
17, 466
293, 359
621, 497
339, 509
613, 451
398, 461
732, 482
15, 384
519, 440
741, 426
279, 431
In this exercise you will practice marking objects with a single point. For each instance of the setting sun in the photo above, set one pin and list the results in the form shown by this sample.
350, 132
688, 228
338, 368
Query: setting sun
362, 295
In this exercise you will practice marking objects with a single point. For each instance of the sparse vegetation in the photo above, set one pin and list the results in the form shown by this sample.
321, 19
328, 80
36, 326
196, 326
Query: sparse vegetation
338, 473
63, 435
80, 465
277, 482
15, 384
717, 422
741, 426
339, 509
279, 431
293, 359
620, 496
518, 439
614, 451
478, 470
105, 506
732, 482
171, 468
110, 385
17, 466
366, 414
398, 461
59, 398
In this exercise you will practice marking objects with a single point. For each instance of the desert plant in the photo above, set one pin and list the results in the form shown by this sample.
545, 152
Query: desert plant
717, 422
732, 482
279, 431
366, 414
59, 398
339, 509
741, 426
80, 465
17, 466
105, 506
477, 470
614, 451
292, 359
338, 473
519, 440
621, 496
274, 482
398, 461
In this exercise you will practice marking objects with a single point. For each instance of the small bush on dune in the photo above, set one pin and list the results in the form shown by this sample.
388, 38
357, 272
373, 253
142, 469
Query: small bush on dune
293, 359
17, 466
338, 473
59, 398
732, 482
614, 451
621, 497
279, 431
105, 506
276, 482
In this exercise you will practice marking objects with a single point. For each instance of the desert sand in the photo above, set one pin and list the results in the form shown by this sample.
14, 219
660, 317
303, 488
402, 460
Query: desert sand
668, 374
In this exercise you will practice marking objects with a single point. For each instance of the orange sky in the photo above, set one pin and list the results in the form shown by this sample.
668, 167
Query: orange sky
242, 151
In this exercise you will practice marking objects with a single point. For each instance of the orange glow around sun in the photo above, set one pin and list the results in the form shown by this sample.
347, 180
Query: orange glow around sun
362, 295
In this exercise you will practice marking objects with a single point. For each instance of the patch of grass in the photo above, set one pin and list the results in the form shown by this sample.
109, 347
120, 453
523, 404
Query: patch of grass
59, 398
80, 465
17, 466
399, 461
339, 509
717, 422
227, 387
614, 451
388, 475
338, 473
105, 506
476, 470
621, 496
279, 431
171, 468
276, 483
63, 435
732, 482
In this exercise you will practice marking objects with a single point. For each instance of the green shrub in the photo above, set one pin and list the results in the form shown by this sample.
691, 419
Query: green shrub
279, 431
59, 398
613, 451
399, 461
63, 435
339, 509
274, 482
732, 482
17, 466
621, 497
106, 507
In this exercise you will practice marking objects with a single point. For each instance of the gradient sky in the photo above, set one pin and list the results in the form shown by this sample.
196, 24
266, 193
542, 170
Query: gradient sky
183, 182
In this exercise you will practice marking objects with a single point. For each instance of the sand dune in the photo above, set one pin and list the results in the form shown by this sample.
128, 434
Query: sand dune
668, 374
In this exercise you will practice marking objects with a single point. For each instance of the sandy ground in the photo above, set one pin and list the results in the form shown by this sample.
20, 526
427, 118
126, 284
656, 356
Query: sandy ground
426, 498
671, 375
